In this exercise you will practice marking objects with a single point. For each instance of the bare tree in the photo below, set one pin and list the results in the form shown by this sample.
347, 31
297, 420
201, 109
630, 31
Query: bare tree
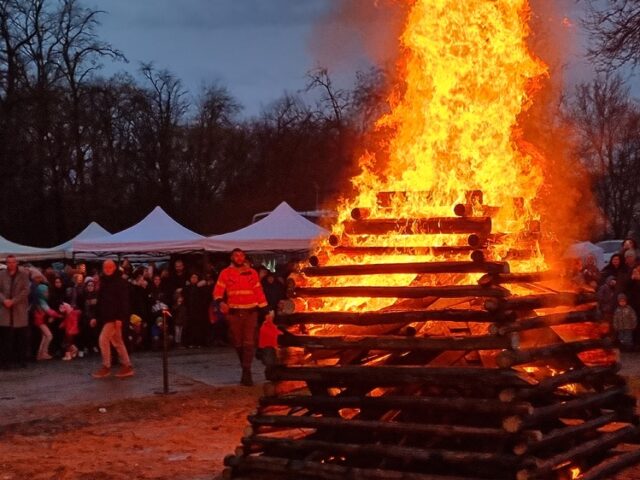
608, 124
615, 26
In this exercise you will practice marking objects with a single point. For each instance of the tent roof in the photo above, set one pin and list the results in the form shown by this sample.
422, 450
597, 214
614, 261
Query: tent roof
24, 252
157, 232
91, 232
282, 229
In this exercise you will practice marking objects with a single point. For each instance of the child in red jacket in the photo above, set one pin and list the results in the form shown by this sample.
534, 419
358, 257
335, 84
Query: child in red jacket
70, 324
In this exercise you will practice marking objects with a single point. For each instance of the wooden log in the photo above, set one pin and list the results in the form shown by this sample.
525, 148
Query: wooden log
390, 317
608, 468
302, 469
608, 440
378, 451
543, 300
455, 291
549, 384
415, 403
467, 210
583, 316
408, 226
396, 343
376, 426
401, 250
391, 268
564, 434
502, 278
509, 358
518, 422
396, 375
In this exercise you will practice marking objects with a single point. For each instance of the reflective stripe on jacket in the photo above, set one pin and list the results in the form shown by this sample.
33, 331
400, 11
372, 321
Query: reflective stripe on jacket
242, 286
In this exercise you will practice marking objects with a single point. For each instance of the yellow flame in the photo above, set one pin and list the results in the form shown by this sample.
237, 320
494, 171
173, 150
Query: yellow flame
468, 76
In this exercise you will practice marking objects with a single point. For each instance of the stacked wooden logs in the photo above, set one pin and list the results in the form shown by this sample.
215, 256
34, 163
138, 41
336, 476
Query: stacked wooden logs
452, 382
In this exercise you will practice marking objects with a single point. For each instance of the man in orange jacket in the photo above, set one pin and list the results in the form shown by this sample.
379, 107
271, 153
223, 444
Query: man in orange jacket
239, 296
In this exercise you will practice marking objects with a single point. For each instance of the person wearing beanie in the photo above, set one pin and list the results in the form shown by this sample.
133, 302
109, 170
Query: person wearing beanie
624, 322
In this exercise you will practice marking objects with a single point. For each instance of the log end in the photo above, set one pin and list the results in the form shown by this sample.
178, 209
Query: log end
512, 424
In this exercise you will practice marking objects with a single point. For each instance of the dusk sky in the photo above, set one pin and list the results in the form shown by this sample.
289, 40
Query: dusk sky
256, 48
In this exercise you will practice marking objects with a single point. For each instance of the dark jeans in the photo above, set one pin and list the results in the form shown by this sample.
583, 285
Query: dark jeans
13, 346
242, 333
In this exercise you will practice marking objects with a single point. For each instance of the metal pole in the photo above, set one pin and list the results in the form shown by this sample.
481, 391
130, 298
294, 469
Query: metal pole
165, 353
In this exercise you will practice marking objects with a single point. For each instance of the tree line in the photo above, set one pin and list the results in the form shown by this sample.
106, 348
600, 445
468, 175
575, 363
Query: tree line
77, 146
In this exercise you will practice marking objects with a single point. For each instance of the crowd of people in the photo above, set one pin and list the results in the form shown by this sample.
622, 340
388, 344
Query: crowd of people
618, 291
83, 311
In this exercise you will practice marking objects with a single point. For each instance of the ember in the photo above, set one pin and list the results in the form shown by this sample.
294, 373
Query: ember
429, 338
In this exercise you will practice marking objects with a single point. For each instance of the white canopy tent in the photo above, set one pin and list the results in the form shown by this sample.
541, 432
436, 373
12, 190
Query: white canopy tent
157, 233
283, 229
25, 253
93, 231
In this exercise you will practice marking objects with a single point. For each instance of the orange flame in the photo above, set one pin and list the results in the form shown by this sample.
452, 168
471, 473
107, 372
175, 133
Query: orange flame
468, 76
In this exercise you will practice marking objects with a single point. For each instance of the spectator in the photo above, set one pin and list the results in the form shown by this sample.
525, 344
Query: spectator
624, 322
43, 315
196, 298
607, 300
614, 267
89, 330
239, 295
74, 292
590, 273
112, 308
14, 321
179, 318
71, 326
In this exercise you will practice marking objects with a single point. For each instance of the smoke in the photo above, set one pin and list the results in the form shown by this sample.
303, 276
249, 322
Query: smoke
566, 203
357, 30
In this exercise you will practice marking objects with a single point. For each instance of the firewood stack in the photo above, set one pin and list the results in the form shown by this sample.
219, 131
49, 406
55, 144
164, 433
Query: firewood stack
513, 376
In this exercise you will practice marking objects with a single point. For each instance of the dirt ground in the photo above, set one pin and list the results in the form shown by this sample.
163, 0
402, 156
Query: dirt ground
184, 436
178, 437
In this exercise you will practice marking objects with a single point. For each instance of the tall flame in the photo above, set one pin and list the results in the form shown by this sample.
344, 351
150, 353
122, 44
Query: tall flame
453, 129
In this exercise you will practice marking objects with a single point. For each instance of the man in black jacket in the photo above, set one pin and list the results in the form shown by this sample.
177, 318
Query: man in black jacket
112, 310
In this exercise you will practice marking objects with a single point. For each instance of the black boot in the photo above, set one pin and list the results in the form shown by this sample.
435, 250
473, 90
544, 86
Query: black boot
246, 379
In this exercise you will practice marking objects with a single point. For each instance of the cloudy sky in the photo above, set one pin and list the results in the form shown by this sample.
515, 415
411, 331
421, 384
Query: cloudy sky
256, 48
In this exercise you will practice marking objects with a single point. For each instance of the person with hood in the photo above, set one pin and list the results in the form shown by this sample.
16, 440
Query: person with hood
113, 310
624, 322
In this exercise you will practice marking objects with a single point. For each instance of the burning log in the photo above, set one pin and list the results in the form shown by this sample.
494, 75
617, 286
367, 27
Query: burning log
508, 358
543, 300
453, 291
399, 250
592, 315
400, 343
426, 403
408, 428
611, 466
391, 268
301, 469
544, 467
549, 384
559, 435
467, 210
397, 375
467, 225
516, 423
506, 277
390, 317
385, 451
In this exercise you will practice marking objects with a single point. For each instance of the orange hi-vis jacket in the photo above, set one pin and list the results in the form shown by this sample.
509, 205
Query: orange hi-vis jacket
242, 286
